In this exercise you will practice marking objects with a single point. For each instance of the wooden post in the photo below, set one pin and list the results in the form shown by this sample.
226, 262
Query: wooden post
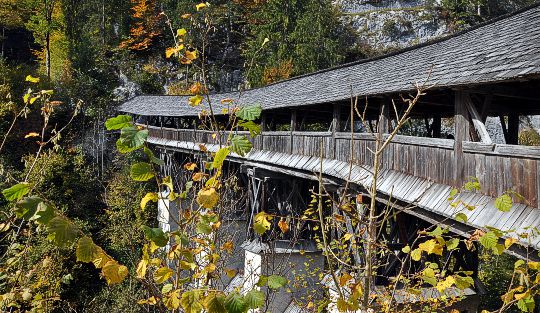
384, 118
479, 126
263, 129
461, 126
513, 129
336, 126
436, 126
293, 129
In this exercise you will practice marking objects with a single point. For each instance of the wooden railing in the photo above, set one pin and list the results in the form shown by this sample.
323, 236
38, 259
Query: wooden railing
498, 167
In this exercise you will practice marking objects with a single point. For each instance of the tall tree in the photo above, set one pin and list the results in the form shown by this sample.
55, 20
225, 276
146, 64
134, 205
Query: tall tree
293, 37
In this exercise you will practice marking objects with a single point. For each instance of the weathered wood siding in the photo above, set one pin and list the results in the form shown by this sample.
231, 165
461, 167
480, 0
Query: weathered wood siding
498, 167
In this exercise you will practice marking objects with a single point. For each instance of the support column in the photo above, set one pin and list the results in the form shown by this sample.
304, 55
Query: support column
336, 126
384, 118
263, 129
436, 127
513, 129
461, 126
293, 129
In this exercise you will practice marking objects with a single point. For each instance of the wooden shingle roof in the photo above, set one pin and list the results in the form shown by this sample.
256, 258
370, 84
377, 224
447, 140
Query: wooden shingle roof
504, 49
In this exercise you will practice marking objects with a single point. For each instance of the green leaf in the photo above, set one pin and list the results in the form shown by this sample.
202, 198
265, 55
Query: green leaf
156, 235
27, 207
276, 282
254, 129
489, 240
215, 303
461, 217
261, 223
204, 228
166, 288
152, 158
141, 171
44, 213
131, 138
118, 122
190, 302
234, 303
240, 145
162, 274
263, 280
452, 243
86, 250
16, 192
220, 157
61, 231
526, 304
254, 299
503, 203
250, 113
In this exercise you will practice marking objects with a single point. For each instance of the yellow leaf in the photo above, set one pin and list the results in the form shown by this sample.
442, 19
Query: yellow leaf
265, 41
151, 196
163, 274
31, 135
416, 255
172, 300
282, 224
224, 111
201, 5
150, 301
190, 166
431, 247
33, 99
185, 16
191, 55
534, 265
195, 88
26, 97
261, 224
226, 100
344, 279
101, 258
141, 268
181, 32
198, 176
114, 273
86, 250
195, 100
445, 284
347, 237
208, 198
509, 242
169, 52
228, 246
32, 79
230, 272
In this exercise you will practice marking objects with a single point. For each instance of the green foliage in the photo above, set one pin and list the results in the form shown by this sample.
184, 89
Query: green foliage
16, 192
118, 122
142, 171
304, 36
240, 145
249, 113
156, 235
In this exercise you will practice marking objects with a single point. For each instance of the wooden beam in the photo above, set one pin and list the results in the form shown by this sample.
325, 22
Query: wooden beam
477, 120
293, 129
461, 126
513, 129
336, 126
436, 126
384, 117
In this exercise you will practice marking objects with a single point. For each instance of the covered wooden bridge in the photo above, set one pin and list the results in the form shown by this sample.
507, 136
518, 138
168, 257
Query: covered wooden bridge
489, 72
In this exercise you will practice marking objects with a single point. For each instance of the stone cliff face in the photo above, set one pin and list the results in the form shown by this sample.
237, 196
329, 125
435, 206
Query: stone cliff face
385, 25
